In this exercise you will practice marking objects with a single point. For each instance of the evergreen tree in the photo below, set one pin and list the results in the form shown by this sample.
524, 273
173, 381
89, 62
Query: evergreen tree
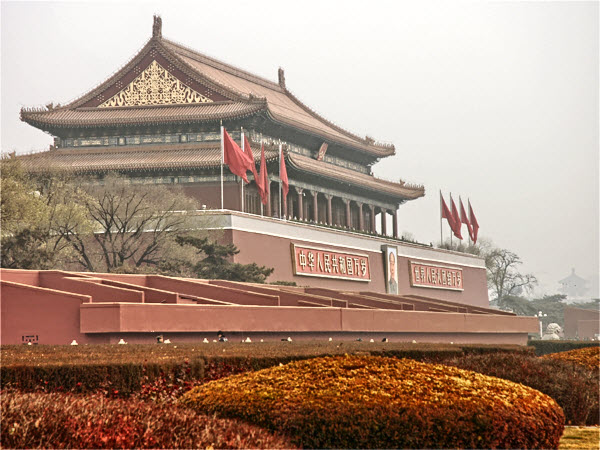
216, 262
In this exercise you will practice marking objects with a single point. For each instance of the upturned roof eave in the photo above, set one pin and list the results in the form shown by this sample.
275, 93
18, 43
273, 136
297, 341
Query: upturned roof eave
45, 119
363, 148
395, 190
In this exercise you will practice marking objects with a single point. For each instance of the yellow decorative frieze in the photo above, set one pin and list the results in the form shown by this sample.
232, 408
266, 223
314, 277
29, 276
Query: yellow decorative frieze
155, 86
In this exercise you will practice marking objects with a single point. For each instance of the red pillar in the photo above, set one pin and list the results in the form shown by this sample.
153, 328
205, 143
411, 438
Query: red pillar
329, 212
395, 217
373, 222
300, 203
384, 222
348, 215
315, 195
361, 219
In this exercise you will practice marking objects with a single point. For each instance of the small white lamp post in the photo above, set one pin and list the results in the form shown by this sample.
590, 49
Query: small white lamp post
539, 315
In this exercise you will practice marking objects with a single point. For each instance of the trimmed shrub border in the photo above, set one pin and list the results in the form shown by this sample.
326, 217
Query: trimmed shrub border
377, 402
574, 387
587, 357
123, 370
546, 347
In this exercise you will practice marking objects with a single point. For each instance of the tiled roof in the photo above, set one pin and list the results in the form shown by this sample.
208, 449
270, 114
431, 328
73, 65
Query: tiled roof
283, 106
195, 155
322, 168
247, 94
98, 117
139, 157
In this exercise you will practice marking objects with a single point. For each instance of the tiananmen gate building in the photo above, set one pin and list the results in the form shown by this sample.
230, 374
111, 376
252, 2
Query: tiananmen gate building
157, 121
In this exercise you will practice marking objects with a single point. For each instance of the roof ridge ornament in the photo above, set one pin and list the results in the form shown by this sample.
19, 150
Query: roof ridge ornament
281, 75
157, 27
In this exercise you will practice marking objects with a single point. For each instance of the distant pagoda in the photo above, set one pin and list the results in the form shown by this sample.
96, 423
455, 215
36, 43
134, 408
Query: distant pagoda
157, 121
573, 286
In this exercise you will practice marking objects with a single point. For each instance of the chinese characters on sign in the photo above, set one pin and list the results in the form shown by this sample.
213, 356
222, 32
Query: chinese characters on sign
436, 277
321, 262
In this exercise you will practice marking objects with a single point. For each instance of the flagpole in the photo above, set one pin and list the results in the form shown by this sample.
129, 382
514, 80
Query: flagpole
280, 181
469, 202
441, 222
222, 160
462, 208
452, 215
244, 150
260, 175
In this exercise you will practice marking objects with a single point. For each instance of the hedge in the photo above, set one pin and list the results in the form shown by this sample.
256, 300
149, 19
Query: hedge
588, 357
379, 402
546, 347
575, 388
58, 420
115, 379
160, 371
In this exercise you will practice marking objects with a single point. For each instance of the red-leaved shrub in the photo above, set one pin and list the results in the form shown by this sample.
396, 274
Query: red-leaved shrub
378, 402
40, 420
574, 387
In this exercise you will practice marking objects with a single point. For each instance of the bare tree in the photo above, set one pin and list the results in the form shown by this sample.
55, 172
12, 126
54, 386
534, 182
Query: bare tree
132, 224
504, 279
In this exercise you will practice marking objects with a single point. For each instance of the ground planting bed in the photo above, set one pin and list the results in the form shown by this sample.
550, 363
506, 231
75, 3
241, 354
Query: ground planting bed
154, 378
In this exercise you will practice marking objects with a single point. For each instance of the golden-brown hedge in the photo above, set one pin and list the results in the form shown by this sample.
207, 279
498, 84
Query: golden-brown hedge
379, 402
588, 357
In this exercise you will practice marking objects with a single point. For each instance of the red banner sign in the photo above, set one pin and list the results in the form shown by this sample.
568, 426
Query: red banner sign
327, 263
435, 277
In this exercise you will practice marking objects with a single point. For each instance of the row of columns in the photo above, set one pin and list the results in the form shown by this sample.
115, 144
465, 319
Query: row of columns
268, 210
348, 215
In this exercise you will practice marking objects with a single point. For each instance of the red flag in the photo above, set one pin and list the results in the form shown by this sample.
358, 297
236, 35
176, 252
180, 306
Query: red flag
263, 188
250, 156
464, 219
446, 214
456, 217
234, 157
285, 185
474, 223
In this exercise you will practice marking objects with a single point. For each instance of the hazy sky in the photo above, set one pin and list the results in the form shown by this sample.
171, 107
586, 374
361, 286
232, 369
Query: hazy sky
493, 101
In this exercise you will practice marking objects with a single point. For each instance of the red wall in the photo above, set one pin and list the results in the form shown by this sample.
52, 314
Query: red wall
205, 290
209, 194
273, 251
92, 287
30, 277
581, 323
51, 315
437, 327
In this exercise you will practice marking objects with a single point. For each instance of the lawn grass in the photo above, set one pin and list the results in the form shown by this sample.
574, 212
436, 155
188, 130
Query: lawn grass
580, 438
